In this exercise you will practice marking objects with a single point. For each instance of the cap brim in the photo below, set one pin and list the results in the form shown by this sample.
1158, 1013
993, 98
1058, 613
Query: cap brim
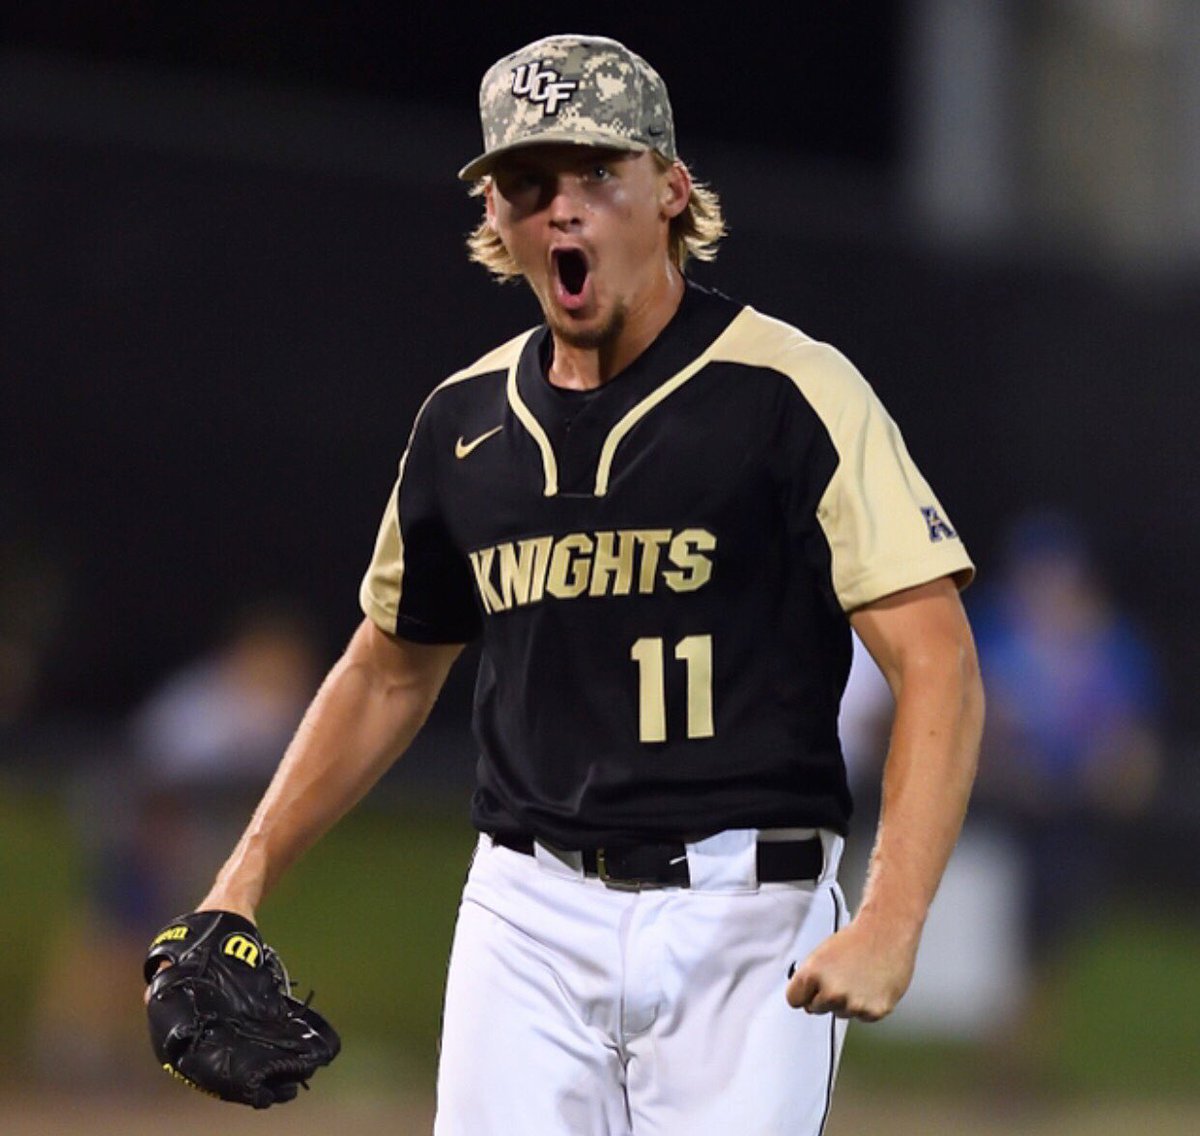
606, 140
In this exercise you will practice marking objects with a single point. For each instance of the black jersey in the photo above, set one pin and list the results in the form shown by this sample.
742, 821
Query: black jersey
660, 570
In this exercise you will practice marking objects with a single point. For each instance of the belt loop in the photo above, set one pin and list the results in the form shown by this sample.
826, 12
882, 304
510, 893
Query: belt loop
724, 862
833, 846
558, 862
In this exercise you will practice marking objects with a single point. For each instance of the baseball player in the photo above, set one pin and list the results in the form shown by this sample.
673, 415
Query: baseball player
662, 512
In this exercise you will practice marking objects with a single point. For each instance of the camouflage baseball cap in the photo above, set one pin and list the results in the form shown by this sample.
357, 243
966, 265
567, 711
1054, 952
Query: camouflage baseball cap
587, 90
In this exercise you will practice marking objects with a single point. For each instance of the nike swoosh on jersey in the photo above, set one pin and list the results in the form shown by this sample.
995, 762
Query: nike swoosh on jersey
461, 448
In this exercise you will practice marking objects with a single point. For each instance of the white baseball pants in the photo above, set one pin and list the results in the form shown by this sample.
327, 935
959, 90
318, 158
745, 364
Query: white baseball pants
575, 1009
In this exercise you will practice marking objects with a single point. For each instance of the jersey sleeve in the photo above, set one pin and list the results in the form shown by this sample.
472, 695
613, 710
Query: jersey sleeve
418, 584
885, 529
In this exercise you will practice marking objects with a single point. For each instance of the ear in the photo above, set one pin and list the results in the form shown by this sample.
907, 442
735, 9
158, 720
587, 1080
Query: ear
676, 190
489, 205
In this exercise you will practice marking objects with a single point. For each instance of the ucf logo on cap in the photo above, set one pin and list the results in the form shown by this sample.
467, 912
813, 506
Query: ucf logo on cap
543, 85
587, 90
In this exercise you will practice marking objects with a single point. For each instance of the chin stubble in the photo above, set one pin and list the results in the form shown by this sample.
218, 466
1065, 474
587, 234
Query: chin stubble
595, 338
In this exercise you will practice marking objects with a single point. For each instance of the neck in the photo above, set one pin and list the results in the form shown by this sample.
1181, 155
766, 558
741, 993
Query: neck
587, 366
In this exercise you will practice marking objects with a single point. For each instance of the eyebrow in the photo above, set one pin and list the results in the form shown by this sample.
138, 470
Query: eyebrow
523, 164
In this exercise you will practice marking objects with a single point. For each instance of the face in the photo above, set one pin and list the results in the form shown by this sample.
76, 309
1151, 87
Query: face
588, 228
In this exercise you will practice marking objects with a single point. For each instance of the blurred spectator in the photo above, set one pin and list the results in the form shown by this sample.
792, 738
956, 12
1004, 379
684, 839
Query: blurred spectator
154, 828
205, 743
1072, 746
1071, 753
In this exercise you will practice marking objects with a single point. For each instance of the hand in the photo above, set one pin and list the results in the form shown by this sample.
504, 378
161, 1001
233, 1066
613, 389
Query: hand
208, 905
146, 993
860, 972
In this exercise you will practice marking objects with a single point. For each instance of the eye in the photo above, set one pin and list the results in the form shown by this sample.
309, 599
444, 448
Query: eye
600, 172
512, 182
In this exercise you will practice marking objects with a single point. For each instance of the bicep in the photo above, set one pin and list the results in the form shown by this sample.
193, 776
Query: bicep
398, 663
924, 627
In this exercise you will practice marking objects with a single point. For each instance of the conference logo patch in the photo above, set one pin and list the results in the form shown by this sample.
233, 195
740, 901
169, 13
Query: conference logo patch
938, 528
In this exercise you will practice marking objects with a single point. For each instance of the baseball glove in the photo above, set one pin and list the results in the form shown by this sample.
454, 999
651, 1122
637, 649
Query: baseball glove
222, 1016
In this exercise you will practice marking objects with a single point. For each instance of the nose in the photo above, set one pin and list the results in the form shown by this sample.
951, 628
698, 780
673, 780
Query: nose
566, 202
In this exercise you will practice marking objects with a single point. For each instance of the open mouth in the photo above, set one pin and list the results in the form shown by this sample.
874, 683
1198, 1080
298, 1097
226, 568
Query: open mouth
572, 268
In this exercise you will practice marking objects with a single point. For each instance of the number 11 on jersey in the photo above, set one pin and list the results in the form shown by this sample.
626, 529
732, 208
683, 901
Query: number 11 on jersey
695, 652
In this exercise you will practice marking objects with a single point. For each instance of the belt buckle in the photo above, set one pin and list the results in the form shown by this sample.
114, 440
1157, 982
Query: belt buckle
617, 883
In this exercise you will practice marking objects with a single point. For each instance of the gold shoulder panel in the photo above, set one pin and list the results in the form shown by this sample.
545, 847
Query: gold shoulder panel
885, 528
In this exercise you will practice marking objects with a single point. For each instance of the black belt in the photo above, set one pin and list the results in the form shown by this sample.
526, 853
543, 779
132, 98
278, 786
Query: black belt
665, 865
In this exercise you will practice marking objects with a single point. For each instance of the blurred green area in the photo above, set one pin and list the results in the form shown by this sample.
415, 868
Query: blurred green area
39, 878
367, 920
369, 915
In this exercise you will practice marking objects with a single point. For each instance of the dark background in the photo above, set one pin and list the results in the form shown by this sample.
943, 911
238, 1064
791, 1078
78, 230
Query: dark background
816, 81
233, 269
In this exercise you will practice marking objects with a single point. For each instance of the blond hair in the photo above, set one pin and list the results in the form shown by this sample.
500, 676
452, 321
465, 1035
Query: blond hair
694, 232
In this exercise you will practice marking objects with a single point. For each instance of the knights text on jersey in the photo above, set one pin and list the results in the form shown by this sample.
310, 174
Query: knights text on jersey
660, 570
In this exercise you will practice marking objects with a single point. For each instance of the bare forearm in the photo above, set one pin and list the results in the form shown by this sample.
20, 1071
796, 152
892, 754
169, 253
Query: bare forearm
927, 781
360, 721
921, 640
